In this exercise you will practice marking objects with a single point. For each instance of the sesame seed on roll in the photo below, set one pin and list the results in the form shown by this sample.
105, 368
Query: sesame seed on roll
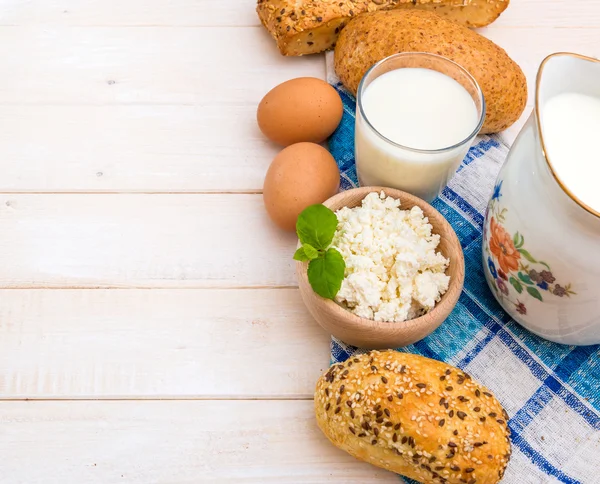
414, 416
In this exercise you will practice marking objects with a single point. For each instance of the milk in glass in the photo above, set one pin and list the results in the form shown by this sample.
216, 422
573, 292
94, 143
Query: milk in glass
413, 128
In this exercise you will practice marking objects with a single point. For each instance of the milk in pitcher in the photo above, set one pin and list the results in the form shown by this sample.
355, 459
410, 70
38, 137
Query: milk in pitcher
571, 127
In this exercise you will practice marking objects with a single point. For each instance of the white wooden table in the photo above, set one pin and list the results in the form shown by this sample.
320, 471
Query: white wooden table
150, 326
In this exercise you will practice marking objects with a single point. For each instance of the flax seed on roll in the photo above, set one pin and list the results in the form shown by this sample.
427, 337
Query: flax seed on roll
415, 416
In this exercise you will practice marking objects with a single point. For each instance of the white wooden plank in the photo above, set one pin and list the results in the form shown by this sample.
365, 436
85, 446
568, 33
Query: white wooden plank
132, 148
128, 13
158, 344
116, 240
212, 147
181, 442
200, 66
155, 65
528, 47
550, 13
208, 142
520, 13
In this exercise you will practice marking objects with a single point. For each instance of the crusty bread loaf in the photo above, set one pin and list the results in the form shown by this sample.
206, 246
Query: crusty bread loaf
470, 13
303, 27
374, 36
415, 416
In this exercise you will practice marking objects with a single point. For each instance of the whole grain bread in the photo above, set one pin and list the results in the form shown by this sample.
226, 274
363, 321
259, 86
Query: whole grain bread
415, 416
303, 27
372, 37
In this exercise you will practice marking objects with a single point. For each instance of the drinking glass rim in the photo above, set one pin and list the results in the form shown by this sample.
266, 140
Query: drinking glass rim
424, 54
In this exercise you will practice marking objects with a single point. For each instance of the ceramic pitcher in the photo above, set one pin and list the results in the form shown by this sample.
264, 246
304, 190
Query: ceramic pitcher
541, 244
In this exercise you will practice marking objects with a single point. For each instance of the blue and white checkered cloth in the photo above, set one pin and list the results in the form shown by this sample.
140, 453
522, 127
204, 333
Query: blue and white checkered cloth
551, 391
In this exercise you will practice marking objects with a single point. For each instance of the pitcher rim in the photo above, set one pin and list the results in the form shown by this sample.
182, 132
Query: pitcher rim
564, 187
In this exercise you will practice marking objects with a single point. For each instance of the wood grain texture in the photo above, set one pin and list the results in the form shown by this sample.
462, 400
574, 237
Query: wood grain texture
212, 144
186, 13
541, 42
156, 65
119, 109
529, 47
172, 442
137, 13
132, 149
531, 14
154, 241
149, 66
158, 344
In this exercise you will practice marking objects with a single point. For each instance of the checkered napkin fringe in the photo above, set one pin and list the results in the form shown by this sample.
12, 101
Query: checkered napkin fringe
551, 391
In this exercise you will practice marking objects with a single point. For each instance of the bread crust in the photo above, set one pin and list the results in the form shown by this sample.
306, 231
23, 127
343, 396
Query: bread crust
303, 27
414, 416
375, 36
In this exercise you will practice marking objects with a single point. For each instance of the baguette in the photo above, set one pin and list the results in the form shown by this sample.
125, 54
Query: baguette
414, 416
303, 27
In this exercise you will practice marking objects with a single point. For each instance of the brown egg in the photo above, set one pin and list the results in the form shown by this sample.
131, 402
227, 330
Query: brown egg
301, 175
303, 109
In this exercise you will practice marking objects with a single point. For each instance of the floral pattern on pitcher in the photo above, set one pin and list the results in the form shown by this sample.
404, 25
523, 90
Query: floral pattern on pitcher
515, 274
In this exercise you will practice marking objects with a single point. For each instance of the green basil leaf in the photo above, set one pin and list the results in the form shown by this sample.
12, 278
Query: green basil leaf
300, 255
326, 273
310, 251
534, 292
316, 226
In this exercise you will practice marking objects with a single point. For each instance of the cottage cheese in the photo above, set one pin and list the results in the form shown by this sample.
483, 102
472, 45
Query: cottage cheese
393, 272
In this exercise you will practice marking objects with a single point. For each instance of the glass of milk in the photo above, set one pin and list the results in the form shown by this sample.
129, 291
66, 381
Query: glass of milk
416, 117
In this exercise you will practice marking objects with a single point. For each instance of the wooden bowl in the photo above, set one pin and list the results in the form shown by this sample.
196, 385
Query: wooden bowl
366, 333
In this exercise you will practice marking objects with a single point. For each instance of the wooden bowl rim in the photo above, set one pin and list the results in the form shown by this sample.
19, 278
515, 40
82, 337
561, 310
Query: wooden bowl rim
440, 311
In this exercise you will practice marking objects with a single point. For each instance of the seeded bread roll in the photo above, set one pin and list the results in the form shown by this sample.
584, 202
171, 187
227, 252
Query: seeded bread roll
414, 416
303, 27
